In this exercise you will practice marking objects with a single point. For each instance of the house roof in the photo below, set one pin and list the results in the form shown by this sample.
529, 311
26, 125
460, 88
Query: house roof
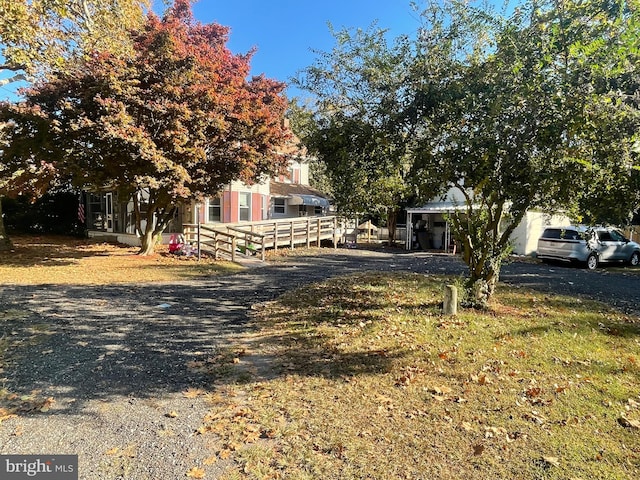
299, 194
281, 189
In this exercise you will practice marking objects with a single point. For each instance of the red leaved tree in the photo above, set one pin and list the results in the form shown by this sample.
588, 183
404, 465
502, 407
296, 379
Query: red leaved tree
174, 122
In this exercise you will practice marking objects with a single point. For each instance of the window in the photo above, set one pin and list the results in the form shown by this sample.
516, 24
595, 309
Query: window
617, 236
245, 206
215, 209
605, 236
552, 233
279, 206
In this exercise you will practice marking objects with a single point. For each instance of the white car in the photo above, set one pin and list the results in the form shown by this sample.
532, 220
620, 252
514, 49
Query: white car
589, 245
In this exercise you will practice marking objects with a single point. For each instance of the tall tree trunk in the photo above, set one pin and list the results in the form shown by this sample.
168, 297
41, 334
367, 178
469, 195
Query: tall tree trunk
149, 236
5, 241
148, 242
392, 222
155, 227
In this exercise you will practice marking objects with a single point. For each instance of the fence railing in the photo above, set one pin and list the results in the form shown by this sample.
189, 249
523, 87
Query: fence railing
253, 238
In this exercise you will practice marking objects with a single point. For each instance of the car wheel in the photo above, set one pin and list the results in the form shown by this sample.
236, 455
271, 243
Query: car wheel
592, 261
634, 261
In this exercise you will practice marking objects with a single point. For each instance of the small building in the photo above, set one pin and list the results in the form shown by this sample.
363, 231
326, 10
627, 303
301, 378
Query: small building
428, 227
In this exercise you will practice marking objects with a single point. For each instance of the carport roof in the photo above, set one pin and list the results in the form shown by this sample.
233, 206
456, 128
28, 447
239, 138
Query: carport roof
438, 207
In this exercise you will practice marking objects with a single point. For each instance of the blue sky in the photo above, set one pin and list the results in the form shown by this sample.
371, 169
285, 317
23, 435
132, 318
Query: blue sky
286, 31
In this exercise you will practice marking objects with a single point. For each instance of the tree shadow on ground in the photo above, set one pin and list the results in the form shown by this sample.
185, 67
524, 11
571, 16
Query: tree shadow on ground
82, 343
50, 250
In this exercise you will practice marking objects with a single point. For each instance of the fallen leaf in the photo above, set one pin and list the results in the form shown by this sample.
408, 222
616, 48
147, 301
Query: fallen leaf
224, 454
534, 417
196, 472
480, 379
631, 403
478, 449
6, 414
439, 390
113, 451
192, 393
467, 426
210, 460
490, 432
534, 392
626, 423
171, 414
553, 461
234, 446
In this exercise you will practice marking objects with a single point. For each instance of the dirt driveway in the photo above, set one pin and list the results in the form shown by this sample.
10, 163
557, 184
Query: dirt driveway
102, 371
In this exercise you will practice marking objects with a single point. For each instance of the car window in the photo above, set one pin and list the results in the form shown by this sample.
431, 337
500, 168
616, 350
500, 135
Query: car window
552, 233
571, 235
605, 236
617, 236
562, 233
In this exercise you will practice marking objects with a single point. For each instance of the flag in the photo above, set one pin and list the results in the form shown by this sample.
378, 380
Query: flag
81, 217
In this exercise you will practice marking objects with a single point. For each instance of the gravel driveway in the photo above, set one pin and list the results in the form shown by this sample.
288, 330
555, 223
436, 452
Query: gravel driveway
113, 358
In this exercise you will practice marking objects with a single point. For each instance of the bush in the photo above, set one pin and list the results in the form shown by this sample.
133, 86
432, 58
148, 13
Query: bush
53, 213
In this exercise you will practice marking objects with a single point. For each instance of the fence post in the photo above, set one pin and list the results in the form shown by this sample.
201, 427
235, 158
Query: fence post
335, 234
319, 232
292, 232
233, 248
198, 238
308, 232
275, 236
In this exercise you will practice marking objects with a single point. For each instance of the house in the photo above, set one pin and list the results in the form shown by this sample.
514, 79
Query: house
428, 227
286, 196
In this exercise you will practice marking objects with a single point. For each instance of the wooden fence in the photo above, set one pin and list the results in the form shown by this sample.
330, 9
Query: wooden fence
253, 238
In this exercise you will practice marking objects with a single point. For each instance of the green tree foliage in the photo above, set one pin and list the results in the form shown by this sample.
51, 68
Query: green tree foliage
39, 36
359, 132
535, 109
175, 121
541, 125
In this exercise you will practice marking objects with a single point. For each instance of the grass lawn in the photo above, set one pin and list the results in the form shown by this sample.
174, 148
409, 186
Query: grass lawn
368, 380
69, 260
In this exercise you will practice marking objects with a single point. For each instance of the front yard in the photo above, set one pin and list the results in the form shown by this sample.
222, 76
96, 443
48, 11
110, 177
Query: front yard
370, 381
362, 377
